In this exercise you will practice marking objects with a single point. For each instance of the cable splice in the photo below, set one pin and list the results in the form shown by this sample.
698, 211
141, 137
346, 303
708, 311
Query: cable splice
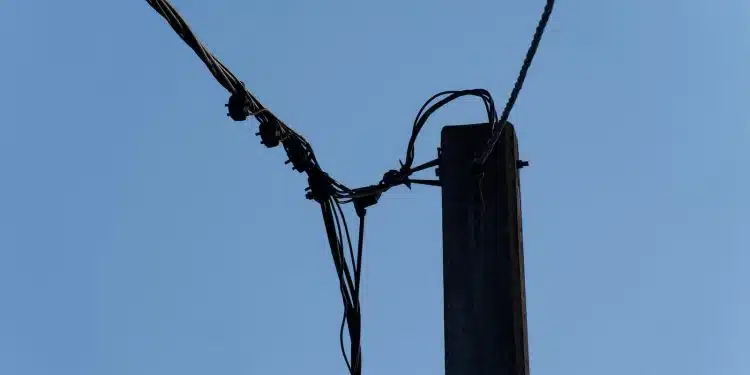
320, 188
270, 134
299, 156
238, 106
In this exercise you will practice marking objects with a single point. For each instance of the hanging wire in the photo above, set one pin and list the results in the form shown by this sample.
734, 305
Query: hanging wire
324, 189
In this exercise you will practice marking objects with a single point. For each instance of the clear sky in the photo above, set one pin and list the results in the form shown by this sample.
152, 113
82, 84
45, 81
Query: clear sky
144, 233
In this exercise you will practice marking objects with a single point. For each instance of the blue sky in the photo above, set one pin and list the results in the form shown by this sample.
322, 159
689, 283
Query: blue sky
143, 232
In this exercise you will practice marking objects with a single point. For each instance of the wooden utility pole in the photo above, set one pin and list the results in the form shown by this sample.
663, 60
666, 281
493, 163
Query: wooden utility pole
483, 277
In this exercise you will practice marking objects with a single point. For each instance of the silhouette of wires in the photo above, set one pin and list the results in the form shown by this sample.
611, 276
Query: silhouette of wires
349, 279
448, 96
324, 189
536, 40
242, 103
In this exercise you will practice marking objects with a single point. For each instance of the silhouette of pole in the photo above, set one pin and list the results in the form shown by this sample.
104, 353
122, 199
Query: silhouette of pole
483, 277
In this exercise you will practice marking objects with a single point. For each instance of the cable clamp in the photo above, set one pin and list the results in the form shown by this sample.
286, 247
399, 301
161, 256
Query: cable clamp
320, 188
401, 177
298, 155
270, 133
238, 105
397, 177
361, 203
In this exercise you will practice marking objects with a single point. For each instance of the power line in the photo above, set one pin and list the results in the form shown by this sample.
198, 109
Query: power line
535, 41
328, 192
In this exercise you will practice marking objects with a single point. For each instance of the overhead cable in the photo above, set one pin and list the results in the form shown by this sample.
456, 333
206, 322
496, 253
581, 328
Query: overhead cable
498, 127
327, 191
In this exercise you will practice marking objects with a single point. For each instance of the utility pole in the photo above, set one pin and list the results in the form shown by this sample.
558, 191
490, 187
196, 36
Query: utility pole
483, 276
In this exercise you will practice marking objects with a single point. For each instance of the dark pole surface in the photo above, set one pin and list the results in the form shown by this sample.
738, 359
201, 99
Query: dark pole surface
483, 277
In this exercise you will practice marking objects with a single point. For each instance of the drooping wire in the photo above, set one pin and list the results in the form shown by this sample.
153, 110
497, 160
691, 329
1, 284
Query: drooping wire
398, 177
337, 230
340, 214
353, 313
325, 185
356, 324
425, 112
536, 40
333, 229
341, 342
360, 246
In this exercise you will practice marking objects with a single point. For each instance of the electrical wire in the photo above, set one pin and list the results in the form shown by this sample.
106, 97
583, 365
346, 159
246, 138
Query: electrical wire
530, 53
341, 342
449, 96
328, 192
231, 83
333, 218
338, 232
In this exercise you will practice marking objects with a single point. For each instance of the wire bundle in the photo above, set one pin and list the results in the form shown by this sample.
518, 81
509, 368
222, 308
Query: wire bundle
251, 106
424, 114
349, 280
325, 190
